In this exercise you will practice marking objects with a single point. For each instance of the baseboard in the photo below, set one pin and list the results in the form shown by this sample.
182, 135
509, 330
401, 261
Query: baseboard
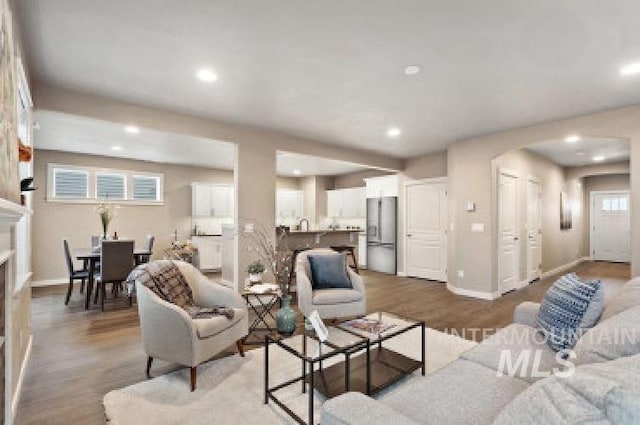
23, 372
402, 274
563, 268
50, 282
490, 296
523, 283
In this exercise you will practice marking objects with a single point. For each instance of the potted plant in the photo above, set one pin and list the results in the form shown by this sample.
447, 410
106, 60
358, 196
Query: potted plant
255, 270
105, 218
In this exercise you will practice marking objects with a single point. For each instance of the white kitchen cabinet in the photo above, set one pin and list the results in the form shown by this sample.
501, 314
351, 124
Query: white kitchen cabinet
209, 252
289, 204
211, 200
362, 250
347, 203
379, 187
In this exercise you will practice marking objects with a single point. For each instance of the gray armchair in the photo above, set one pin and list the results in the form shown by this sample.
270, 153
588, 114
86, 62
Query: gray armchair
329, 303
170, 334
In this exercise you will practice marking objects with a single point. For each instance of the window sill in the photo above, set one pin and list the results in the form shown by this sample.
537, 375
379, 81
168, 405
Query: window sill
98, 202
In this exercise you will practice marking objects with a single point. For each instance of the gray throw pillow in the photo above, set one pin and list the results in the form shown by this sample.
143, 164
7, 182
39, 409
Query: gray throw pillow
618, 336
329, 271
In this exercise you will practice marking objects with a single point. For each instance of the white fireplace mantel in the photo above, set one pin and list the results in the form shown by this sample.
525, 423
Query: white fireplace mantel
11, 212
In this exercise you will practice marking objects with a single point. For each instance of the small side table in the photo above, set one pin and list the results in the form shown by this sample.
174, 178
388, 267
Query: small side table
262, 305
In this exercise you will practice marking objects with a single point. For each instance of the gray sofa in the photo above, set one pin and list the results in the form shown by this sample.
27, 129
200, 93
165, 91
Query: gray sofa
604, 388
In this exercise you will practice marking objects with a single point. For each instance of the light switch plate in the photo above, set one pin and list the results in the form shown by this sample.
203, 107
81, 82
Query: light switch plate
477, 227
470, 206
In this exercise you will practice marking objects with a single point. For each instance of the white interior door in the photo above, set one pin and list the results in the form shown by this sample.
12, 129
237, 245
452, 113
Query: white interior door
610, 226
534, 230
426, 238
508, 240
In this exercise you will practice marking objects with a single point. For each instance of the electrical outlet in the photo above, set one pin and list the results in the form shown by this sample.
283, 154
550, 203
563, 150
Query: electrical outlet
461, 274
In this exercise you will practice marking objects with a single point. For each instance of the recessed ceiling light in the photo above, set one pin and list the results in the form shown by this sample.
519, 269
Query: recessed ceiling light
572, 138
132, 129
630, 69
206, 75
412, 70
297, 172
598, 158
116, 148
394, 132
580, 153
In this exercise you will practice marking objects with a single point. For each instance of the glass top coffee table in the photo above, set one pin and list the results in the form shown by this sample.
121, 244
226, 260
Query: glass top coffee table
364, 365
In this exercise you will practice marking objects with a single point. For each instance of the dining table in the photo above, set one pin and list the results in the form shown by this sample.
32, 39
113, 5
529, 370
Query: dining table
91, 257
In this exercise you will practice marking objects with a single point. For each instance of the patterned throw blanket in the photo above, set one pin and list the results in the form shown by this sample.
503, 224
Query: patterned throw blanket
167, 282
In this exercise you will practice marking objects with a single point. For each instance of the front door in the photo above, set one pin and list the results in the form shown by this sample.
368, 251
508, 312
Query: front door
427, 231
534, 230
610, 226
508, 240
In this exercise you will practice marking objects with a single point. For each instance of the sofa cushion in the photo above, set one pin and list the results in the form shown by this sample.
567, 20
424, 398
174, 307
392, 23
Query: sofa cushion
336, 296
512, 343
618, 336
627, 297
568, 307
601, 393
352, 408
209, 327
329, 271
462, 392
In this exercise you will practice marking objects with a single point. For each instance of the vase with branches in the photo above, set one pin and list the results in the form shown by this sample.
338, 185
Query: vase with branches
106, 215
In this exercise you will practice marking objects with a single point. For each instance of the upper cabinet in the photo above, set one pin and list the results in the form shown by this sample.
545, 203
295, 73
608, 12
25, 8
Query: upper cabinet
289, 204
380, 187
211, 200
347, 203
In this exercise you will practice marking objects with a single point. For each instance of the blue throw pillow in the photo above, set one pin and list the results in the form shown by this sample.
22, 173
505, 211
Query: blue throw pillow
329, 271
569, 307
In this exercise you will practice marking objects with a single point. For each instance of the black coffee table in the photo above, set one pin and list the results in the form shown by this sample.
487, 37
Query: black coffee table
366, 365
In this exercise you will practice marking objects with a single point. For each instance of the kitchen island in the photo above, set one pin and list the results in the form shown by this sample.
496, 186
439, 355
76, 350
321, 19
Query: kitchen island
296, 239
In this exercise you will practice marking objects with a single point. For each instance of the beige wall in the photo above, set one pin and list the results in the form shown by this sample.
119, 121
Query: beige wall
345, 181
77, 222
426, 166
599, 183
469, 176
559, 247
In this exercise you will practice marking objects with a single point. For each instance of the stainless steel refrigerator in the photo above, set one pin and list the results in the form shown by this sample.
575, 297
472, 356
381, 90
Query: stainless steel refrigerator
382, 214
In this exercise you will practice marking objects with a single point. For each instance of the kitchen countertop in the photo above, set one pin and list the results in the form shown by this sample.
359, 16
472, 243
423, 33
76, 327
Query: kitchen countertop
213, 234
313, 232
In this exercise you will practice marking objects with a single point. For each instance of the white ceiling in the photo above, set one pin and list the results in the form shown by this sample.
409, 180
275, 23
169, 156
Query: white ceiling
332, 70
313, 166
70, 133
583, 151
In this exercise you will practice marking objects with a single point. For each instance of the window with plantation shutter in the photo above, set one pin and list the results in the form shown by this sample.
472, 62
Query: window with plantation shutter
145, 188
93, 185
70, 184
110, 186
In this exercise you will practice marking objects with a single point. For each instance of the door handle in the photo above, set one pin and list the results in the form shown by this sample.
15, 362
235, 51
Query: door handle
516, 238
409, 235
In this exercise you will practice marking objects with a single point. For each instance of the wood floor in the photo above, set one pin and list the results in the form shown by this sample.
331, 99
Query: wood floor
78, 356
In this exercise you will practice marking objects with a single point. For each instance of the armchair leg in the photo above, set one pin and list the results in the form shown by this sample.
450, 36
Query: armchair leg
193, 379
149, 361
240, 347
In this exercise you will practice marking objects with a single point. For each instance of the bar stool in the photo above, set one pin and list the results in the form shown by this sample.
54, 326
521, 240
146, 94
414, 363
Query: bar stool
350, 250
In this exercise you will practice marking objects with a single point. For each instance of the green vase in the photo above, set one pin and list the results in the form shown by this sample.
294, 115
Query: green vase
286, 317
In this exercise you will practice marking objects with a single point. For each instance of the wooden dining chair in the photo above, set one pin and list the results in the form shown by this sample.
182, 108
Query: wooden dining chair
116, 259
82, 274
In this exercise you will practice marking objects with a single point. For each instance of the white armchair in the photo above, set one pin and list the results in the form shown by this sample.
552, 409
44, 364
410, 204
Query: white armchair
170, 334
329, 303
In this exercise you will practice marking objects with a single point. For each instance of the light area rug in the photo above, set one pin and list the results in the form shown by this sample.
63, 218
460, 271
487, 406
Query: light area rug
230, 390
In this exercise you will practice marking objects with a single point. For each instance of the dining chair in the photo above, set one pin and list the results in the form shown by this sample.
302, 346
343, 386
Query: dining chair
82, 274
116, 262
148, 246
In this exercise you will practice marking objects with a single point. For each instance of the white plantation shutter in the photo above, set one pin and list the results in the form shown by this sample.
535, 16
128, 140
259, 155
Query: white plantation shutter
145, 188
110, 186
71, 184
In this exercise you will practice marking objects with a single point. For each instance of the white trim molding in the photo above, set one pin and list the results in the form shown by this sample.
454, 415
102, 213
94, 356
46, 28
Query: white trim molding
23, 372
50, 282
489, 296
563, 268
